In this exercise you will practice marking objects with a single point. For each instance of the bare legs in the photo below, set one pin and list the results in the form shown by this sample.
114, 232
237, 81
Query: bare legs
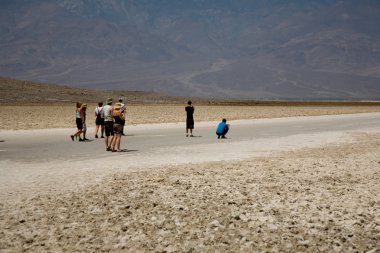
96, 131
101, 130
77, 134
187, 132
112, 139
116, 142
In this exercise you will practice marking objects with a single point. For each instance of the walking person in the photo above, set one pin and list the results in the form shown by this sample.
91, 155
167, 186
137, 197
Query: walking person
78, 121
222, 129
83, 117
189, 119
99, 120
118, 125
108, 124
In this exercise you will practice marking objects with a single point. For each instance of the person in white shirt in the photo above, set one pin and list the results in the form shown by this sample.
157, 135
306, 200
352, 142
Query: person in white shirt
108, 124
99, 120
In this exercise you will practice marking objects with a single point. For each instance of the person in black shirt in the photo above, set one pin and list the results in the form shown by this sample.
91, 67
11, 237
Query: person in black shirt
189, 119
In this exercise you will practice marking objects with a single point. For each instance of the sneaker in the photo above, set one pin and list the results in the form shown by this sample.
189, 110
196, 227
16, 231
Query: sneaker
85, 139
72, 137
108, 149
191, 135
187, 135
96, 136
224, 137
80, 139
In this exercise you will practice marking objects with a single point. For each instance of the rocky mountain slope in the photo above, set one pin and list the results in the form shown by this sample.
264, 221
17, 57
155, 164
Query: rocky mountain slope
259, 49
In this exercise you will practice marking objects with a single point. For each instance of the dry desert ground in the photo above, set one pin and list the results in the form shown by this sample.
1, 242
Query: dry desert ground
322, 199
63, 115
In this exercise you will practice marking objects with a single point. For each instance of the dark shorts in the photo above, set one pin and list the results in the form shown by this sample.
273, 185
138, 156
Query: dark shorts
99, 121
117, 128
108, 128
189, 123
79, 123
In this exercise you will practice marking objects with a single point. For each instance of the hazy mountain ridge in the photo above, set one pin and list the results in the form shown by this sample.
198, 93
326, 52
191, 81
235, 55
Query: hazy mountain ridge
247, 49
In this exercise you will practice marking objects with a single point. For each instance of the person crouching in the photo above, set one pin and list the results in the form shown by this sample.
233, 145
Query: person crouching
222, 129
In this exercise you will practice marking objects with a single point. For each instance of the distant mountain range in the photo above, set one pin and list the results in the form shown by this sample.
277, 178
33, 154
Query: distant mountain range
256, 49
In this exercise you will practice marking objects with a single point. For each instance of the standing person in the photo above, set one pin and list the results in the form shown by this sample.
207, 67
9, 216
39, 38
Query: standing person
108, 124
122, 110
99, 120
78, 121
83, 117
118, 125
189, 119
222, 129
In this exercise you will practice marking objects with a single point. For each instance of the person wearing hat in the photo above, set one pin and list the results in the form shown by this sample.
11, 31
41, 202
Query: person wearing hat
78, 121
122, 110
108, 123
119, 121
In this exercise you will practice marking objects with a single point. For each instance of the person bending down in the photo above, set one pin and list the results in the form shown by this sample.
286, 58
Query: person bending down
222, 129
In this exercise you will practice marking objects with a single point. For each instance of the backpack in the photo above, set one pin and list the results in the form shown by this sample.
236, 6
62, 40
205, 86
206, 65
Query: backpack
99, 114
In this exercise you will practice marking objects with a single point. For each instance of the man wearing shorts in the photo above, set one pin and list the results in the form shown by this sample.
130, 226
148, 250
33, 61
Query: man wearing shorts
108, 124
189, 119
78, 120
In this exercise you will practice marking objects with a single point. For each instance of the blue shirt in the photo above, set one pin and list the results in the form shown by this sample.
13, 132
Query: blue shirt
221, 127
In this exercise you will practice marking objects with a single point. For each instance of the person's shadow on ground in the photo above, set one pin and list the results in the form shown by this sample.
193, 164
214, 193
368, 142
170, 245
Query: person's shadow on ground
124, 150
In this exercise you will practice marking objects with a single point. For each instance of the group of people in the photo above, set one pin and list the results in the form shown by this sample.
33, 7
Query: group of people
80, 119
110, 120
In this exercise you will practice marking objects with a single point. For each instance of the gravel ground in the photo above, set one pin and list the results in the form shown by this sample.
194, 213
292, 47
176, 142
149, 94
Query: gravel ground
316, 200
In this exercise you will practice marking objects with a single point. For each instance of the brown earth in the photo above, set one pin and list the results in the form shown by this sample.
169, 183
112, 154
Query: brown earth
15, 92
31, 105
63, 116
